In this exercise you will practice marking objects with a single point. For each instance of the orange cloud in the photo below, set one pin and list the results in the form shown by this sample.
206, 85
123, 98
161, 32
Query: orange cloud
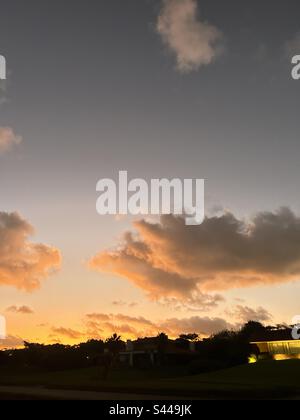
135, 327
102, 325
23, 264
68, 333
11, 342
174, 261
195, 43
8, 139
99, 323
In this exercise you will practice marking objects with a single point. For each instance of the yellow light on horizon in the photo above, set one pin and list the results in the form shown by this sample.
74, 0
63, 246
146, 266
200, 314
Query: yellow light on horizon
252, 359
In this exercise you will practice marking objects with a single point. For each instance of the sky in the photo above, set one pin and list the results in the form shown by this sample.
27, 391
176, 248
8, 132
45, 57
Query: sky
160, 88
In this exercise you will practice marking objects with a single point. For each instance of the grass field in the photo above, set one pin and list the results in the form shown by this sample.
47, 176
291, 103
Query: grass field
262, 380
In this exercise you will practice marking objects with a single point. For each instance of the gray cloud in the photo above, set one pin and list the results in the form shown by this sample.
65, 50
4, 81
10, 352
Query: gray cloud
203, 326
243, 314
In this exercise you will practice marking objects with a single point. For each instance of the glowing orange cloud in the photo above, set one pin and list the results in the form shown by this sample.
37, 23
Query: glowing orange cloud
171, 260
23, 264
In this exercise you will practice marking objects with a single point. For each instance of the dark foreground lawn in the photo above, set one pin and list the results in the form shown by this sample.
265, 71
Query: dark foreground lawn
265, 380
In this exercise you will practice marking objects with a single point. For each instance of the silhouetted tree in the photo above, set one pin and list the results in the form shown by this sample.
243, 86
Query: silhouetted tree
252, 329
114, 345
227, 348
189, 337
162, 341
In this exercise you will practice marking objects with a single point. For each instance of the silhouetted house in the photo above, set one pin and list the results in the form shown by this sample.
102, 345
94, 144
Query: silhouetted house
136, 355
147, 351
276, 344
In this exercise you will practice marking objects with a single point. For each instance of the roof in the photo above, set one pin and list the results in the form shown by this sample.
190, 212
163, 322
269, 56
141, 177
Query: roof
279, 341
272, 336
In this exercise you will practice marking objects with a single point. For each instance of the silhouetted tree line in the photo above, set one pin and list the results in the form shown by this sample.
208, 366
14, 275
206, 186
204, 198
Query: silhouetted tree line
222, 350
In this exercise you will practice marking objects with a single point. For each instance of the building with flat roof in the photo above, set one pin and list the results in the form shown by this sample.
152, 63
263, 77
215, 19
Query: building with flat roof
276, 344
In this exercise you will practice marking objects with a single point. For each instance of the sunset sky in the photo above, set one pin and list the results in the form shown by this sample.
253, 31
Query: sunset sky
160, 88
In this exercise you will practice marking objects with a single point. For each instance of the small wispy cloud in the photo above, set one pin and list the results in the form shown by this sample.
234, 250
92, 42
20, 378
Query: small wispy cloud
8, 139
123, 303
194, 42
245, 314
68, 333
24, 310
